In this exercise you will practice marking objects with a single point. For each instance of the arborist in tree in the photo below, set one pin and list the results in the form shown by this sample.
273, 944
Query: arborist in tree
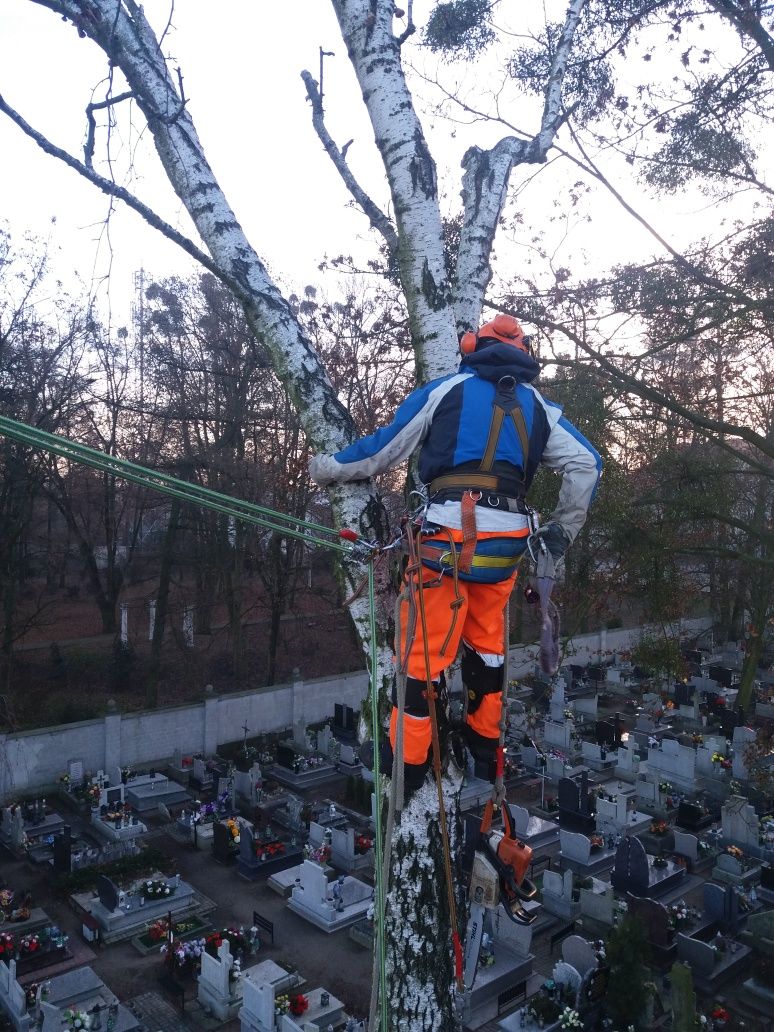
483, 432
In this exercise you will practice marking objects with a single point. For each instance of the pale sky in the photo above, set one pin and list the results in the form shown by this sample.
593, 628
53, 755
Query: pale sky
241, 61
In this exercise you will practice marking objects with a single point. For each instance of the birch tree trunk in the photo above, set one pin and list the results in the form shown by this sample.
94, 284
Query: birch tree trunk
439, 302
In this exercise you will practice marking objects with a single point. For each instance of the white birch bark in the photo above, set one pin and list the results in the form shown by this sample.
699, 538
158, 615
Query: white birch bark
366, 26
485, 183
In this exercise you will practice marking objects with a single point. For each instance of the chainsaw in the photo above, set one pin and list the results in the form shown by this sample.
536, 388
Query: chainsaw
498, 877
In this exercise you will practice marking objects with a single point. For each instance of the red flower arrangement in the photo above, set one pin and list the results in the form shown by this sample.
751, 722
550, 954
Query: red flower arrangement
658, 828
7, 945
720, 1013
363, 844
298, 1004
270, 849
29, 944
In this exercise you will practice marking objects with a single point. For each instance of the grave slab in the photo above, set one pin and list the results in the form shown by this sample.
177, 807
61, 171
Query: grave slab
329, 907
145, 793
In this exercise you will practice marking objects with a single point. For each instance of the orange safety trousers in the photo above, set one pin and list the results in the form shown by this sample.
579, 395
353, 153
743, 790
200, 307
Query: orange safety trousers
465, 611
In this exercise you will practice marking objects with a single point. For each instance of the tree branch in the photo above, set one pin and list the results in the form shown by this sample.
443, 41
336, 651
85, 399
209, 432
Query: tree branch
88, 147
112, 189
644, 390
376, 216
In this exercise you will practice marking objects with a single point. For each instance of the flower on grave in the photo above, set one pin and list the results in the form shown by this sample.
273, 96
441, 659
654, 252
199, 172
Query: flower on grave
659, 828
321, 855
281, 1005
660, 861
597, 841
569, 1018
29, 944
156, 889
697, 739
363, 844
76, 1018
233, 826
92, 794
6, 898
158, 930
664, 787
7, 945
64, 779
298, 1004
679, 915
735, 851
719, 1013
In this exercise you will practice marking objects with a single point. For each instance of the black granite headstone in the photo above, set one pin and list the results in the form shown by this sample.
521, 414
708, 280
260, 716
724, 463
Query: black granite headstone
767, 876
286, 757
683, 693
344, 721
605, 733
574, 804
723, 675
653, 915
223, 846
63, 851
107, 892
692, 817
631, 872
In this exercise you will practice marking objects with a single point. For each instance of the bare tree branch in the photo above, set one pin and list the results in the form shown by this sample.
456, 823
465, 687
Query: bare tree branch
88, 147
112, 189
644, 390
376, 216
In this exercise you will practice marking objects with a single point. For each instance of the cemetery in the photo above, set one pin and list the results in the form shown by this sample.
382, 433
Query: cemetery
242, 881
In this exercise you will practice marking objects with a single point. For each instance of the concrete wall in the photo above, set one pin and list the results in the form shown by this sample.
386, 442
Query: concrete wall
34, 760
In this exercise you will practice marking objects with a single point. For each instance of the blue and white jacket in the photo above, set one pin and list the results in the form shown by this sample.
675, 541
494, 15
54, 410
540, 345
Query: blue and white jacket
450, 419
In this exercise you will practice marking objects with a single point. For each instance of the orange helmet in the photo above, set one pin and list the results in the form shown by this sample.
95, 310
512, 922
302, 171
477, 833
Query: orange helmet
503, 328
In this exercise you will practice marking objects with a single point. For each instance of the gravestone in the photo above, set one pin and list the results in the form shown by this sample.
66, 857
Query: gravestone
224, 849
631, 872
557, 894
344, 722
257, 1013
201, 774
598, 906
286, 757
580, 954
686, 845
215, 992
692, 816
63, 851
108, 893
655, 920
565, 975
742, 738
574, 804
740, 822
721, 905
75, 772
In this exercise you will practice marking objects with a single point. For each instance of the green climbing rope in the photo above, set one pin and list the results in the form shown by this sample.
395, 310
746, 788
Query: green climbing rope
257, 515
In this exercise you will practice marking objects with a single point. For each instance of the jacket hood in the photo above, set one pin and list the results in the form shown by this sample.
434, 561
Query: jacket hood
498, 360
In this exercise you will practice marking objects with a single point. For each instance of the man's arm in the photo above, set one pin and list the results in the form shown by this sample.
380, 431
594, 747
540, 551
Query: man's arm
568, 452
388, 446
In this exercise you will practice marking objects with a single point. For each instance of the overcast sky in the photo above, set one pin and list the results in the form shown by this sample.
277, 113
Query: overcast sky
241, 61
